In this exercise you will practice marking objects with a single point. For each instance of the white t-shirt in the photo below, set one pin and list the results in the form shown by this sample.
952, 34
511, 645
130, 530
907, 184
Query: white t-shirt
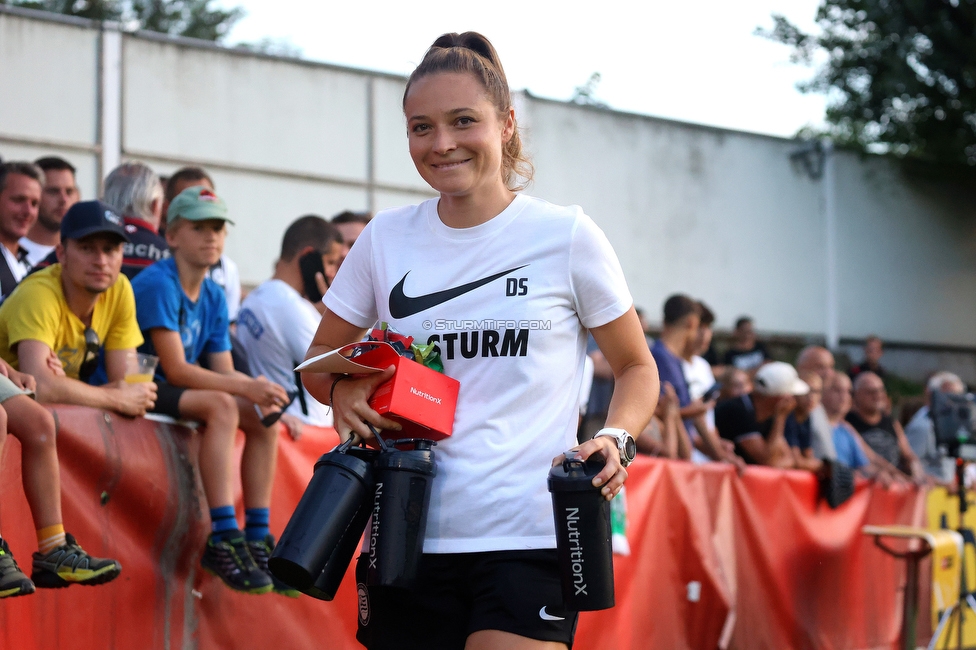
228, 276
699, 377
275, 326
35, 252
508, 303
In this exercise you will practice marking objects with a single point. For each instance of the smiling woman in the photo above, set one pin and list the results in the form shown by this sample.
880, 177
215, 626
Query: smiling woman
526, 279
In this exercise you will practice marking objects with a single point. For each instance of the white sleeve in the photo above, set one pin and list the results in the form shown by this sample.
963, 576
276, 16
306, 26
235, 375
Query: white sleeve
351, 296
232, 287
599, 287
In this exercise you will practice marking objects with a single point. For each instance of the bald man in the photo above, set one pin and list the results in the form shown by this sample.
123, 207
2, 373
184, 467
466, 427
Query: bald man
882, 433
818, 360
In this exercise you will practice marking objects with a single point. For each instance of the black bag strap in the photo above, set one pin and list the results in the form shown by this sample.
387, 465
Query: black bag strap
7, 279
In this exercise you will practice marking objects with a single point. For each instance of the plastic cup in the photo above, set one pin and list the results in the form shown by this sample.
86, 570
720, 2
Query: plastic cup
140, 368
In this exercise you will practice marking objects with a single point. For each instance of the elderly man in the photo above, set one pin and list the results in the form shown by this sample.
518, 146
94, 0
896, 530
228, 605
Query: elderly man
920, 430
819, 361
59, 193
135, 192
20, 198
851, 449
882, 434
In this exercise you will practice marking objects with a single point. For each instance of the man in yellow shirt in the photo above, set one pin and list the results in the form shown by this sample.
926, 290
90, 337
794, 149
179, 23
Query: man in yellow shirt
53, 328
83, 312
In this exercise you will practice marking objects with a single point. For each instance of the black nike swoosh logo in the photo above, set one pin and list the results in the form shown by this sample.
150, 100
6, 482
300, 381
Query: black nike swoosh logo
402, 305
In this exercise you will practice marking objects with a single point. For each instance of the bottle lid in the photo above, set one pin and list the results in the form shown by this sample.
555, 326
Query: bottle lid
419, 459
575, 474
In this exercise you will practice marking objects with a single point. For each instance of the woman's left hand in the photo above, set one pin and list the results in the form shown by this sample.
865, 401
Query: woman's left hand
611, 478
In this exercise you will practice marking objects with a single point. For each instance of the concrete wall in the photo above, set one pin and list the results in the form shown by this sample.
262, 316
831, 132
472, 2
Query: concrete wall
722, 215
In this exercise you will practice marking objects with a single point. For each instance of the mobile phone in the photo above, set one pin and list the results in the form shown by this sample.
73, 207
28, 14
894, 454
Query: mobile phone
712, 392
310, 264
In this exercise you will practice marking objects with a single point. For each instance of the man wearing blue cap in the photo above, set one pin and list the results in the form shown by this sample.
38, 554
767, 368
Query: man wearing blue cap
78, 310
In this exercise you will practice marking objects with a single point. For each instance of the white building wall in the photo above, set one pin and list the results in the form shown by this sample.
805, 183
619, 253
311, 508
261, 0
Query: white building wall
721, 215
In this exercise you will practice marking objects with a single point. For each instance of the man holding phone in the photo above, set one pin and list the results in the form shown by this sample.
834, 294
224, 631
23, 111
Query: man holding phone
278, 319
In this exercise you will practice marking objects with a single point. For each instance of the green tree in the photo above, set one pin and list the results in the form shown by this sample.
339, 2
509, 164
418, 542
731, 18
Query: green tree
899, 75
192, 18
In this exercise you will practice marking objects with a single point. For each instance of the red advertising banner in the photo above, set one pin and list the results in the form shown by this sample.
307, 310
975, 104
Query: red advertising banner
717, 559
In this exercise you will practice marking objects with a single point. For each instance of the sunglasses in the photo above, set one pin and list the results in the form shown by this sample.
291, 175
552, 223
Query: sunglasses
90, 362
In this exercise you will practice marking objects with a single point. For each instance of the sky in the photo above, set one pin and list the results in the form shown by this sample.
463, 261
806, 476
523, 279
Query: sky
692, 61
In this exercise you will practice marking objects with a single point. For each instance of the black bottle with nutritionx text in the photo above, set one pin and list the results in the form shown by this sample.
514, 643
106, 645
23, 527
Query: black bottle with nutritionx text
322, 535
403, 473
583, 545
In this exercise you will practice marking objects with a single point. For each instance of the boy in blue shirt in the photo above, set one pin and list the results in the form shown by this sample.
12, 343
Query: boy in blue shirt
183, 316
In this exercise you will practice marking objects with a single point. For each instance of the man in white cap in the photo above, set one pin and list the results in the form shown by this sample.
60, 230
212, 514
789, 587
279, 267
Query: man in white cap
756, 423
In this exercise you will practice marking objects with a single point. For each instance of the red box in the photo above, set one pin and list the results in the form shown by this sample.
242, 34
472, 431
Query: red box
422, 400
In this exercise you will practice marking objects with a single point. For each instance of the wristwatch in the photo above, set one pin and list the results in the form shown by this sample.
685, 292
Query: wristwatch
626, 444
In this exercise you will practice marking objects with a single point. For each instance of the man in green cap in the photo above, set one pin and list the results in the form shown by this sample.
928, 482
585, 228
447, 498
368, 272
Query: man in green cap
183, 316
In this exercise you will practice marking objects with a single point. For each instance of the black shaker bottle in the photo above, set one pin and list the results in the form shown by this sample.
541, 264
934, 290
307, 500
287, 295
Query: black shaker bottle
583, 547
403, 474
318, 543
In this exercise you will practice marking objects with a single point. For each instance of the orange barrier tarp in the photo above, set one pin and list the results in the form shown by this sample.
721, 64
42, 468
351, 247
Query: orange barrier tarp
717, 559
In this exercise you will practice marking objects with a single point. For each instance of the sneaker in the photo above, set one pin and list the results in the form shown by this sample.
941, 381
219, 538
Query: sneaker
68, 564
231, 561
261, 551
13, 582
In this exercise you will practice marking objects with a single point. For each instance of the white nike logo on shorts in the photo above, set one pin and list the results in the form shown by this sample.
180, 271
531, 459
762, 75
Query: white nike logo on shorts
549, 617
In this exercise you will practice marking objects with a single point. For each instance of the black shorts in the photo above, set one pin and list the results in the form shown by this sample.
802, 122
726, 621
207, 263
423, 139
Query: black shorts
461, 593
167, 400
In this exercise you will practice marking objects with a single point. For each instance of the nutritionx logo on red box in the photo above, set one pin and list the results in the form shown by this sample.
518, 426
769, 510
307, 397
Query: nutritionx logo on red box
422, 400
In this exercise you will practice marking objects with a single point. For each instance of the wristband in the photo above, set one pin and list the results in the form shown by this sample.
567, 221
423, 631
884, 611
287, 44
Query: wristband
332, 390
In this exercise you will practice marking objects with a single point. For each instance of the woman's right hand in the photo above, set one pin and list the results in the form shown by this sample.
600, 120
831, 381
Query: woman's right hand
350, 405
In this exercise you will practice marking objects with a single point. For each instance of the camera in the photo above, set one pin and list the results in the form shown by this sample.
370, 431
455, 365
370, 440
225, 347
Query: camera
954, 417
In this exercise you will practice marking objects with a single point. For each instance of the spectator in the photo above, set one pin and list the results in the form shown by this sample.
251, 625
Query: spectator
756, 423
798, 425
682, 318
881, 433
224, 271
59, 192
746, 353
920, 430
817, 360
277, 320
134, 190
665, 435
851, 449
20, 197
59, 561
601, 390
735, 383
64, 318
183, 315
873, 351
350, 225
701, 382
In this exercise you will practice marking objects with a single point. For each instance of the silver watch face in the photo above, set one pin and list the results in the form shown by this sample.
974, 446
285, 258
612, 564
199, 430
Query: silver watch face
629, 447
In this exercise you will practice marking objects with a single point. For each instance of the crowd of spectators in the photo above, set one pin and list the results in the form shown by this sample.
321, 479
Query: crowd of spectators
89, 285
744, 407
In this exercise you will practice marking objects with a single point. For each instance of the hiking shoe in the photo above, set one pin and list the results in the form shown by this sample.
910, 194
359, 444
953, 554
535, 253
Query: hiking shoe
13, 582
68, 564
261, 551
231, 561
